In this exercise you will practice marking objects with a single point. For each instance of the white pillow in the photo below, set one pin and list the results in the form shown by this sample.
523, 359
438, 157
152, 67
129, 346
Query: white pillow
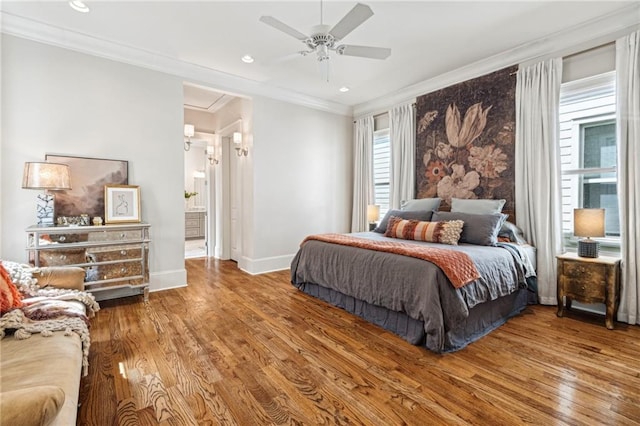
461, 205
421, 204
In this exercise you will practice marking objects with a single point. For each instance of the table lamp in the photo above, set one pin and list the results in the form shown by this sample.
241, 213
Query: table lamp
50, 177
588, 223
373, 215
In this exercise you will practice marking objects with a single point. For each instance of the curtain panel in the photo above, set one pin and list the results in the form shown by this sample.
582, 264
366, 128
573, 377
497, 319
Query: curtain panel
537, 168
362, 173
628, 121
402, 136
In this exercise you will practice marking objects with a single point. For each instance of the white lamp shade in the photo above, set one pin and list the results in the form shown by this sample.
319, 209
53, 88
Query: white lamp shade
588, 222
189, 130
51, 176
211, 150
373, 213
237, 137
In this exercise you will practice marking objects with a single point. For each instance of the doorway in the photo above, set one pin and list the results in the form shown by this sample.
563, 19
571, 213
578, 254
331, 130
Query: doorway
196, 195
222, 121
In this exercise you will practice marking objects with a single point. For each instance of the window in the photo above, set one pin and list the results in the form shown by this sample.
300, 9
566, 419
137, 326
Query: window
588, 153
381, 169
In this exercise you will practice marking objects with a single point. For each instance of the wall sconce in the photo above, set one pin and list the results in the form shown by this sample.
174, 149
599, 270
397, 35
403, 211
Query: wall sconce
50, 177
240, 150
189, 132
588, 223
211, 155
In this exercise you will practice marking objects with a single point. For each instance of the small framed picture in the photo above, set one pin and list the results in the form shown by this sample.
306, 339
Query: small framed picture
121, 203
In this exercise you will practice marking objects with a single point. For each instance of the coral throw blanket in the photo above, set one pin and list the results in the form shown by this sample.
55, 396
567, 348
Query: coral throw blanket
456, 265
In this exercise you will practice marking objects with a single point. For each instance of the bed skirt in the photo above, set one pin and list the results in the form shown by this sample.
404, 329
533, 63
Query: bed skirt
482, 319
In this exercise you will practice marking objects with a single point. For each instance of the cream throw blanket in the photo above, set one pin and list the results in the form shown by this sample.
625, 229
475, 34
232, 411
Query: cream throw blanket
48, 310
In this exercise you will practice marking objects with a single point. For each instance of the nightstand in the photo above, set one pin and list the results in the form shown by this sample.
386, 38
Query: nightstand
589, 280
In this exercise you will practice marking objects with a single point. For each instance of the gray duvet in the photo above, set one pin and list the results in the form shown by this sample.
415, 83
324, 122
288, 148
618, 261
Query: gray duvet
412, 286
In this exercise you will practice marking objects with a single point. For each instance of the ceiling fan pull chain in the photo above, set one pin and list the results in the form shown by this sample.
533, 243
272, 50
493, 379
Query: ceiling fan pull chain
321, 16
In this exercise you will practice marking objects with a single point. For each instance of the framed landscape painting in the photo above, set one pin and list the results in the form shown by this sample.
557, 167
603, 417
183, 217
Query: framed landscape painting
88, 179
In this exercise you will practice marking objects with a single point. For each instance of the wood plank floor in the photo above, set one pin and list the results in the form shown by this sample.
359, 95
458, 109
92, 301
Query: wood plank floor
235, 349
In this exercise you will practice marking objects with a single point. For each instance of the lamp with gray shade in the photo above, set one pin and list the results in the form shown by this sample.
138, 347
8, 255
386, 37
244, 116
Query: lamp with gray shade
50, 177
373, 215
588, 223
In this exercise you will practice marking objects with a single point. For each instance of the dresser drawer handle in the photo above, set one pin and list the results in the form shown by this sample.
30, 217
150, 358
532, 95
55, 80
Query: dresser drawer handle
583, 288
123, 235
123, 270
62, 238
123, 252
63, 257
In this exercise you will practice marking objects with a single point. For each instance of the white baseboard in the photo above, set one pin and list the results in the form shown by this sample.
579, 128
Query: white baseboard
166, 280
266, 264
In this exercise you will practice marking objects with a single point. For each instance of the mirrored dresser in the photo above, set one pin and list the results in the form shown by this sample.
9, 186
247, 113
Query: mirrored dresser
115, 257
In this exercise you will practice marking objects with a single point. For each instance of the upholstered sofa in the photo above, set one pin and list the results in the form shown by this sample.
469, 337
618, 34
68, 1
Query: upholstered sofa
44, 346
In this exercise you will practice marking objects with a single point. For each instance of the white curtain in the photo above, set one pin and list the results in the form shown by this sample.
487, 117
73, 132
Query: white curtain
362, 173
628, 120
402, 136
537, 166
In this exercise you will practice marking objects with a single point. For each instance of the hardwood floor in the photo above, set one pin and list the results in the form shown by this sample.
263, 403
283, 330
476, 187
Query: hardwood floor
235, 349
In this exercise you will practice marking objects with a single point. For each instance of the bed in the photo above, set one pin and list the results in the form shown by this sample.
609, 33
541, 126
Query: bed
413, 297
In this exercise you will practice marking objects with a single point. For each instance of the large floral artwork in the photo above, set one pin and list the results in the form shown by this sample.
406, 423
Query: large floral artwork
465, 140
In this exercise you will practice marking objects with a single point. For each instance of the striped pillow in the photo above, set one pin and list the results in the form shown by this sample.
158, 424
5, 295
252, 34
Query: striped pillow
434, 232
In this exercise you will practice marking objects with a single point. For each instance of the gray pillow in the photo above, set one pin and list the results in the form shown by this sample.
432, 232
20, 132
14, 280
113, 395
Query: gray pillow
422, 204
424, 216
479, 229
474, 206
511, 231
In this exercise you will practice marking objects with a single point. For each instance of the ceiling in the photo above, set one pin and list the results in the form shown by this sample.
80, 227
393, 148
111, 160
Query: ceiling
202, 99
427, 38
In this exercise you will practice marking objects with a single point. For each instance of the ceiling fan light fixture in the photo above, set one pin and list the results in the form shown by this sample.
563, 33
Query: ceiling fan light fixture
344, 89
324, 38
79, 6
247, 59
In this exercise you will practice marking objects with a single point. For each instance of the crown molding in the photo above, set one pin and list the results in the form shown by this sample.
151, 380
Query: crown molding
48, 34
572, 40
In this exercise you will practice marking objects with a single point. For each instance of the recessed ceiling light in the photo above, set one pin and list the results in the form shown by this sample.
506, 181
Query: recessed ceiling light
79, 6
344, 89
247, 59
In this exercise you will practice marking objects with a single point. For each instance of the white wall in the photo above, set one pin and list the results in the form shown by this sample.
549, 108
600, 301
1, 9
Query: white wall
296, 180
302, 174
59, 101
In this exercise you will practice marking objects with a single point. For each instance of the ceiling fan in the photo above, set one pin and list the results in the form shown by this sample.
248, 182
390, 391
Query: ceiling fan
324, 39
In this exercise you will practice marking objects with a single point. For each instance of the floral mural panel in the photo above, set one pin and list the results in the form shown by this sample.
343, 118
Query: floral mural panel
465, 140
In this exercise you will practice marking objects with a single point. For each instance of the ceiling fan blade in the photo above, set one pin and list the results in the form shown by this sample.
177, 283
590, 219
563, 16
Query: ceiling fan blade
279, 25
350, 21
364, 51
